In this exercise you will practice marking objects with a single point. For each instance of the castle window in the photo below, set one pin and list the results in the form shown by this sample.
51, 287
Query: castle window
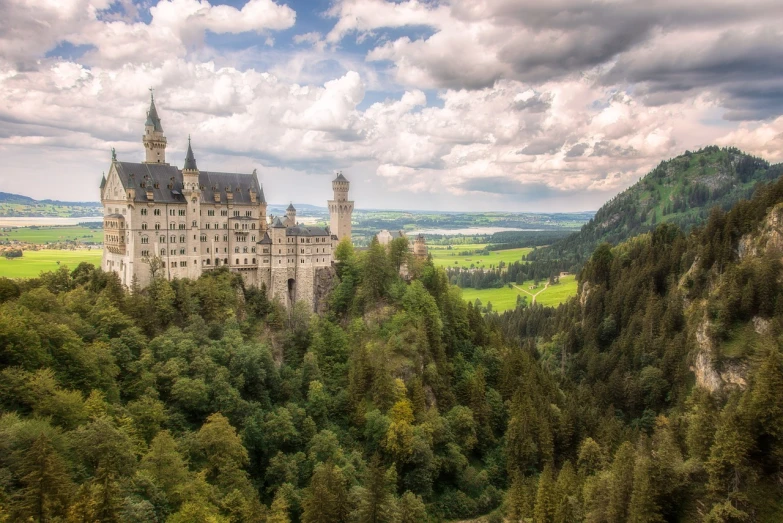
245, 261
236, 226
143, 226
225, 225
182, 239
225, 237
164, 265
244, 249
223, 213
173, 239
207, 261
225, 260
194, 223
210, 213
171, 212
144, 212
145, 254
156, 212
237, 261
236, 213
157, 226
254, 261
181, 225
181, 212
173, 252
248, 213
203, 237
253, 238
253, 226
145, 239
207, 226
172, 225
182, 251
236, 250
162, 239
217, 238
252, 249
163, 252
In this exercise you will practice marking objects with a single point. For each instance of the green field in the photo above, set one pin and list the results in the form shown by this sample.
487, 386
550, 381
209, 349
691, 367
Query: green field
504, 299
449, 258
52, 234
33, 262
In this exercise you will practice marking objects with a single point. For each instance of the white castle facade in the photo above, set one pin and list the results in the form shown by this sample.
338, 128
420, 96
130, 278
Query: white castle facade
184, 222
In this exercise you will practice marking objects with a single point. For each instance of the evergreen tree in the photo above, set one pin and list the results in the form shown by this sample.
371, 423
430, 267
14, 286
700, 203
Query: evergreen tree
546, 497
377, 500
326, 499
47, 485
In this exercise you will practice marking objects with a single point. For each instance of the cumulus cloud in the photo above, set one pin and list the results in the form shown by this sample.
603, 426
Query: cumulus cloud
495, 104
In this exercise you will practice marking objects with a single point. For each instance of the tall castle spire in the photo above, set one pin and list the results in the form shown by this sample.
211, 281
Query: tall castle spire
154, 140
190, 160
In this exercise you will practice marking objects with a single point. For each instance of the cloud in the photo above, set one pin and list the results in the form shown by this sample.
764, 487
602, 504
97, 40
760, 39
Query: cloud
29, 29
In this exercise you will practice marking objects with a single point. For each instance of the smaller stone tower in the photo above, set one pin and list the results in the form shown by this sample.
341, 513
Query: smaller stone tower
340, 209
290, 216
154, 140
420, 247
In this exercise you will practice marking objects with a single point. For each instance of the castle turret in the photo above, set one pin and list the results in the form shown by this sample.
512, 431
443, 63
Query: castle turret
290, 215
154, 140
191, 190
340, 209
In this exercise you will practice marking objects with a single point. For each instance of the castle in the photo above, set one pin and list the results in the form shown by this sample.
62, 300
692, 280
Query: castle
180, 223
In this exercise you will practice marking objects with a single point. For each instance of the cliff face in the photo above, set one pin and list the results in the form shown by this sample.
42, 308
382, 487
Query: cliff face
325, 280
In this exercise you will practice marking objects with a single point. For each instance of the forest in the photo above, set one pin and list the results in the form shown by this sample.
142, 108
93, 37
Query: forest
205, 401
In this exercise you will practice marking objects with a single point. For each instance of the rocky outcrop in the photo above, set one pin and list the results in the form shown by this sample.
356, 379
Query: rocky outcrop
711, 375
324, 281
768, 237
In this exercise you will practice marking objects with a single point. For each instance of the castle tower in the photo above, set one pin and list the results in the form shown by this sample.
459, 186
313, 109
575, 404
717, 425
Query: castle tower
154, 141
420, 247
340, 209
191, 190
290, 215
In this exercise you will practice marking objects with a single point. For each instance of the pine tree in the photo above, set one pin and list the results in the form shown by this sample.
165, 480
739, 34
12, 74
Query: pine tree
546, 503
47, 485
326, 499
643, 507
377, 501
622, 475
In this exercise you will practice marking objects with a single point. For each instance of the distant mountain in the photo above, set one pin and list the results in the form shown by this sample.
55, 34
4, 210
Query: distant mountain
682, 190
16, 205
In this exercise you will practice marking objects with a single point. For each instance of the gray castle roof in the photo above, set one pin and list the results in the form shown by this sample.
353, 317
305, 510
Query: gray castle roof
152, 116
340, 178
190, 160
306, 231
291, 207
277, 223
166, 183
266, 239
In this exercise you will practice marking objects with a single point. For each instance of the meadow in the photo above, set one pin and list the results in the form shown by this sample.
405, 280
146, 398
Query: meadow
443, 257
505, 298
34, 262
52, 234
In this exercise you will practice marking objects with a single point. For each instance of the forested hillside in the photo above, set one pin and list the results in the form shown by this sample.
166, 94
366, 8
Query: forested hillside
681, 191
203, 401
656, 314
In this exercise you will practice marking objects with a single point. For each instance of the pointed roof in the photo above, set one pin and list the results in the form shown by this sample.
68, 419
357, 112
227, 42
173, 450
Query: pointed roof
277, 224
190, 160
266, 239
152, 115
103, 181
340, 178
291, 207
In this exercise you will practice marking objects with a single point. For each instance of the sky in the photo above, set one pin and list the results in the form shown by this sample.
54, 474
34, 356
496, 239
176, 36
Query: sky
463, 105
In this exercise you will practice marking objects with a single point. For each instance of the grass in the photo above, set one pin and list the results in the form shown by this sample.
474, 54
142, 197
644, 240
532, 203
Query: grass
34, 262
450, 258
51, 234
504, 299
